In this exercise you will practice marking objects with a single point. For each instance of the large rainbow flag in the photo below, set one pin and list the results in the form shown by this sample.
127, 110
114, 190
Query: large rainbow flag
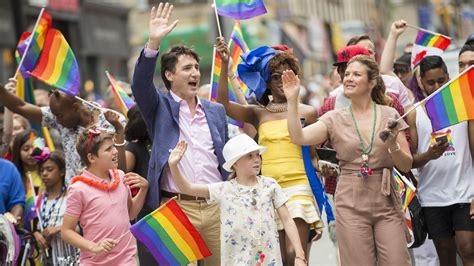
404, 188
170, 237
57, 65
35, 42
121, 97
428, 43
240, 9
216, 73
452, 103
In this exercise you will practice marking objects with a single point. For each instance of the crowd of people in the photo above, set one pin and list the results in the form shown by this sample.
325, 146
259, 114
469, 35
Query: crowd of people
246, 190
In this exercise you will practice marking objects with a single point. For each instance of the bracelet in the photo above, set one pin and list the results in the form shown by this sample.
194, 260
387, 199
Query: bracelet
120, 144
397, 149
301, 258
233, 76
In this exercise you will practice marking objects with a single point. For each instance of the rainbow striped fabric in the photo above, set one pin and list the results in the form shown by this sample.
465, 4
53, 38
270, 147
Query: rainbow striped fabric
24, 87
216, 73
453, 103
237, 48
240, 9
32, 202
121, 97
170, 237
428, 43
403, 189
57, 65
37, 42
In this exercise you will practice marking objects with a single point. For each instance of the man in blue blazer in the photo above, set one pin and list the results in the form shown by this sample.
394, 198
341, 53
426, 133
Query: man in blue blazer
180, 115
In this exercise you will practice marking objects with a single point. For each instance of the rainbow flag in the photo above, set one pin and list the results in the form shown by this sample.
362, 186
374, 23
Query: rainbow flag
240, 9
124, 101
237, 48
452, 103
428, 43
57, 65
404, 188
216, 73
24, 87
31, 204
170, 237
36, 42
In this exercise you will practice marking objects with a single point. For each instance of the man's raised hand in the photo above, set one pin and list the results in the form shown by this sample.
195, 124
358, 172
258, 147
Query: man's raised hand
159, 25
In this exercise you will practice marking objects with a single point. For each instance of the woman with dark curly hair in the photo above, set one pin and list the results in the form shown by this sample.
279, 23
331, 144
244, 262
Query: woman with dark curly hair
261, 70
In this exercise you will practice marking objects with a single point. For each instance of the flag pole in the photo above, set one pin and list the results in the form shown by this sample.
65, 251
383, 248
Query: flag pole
40, 221
217, 19
29, 43
428, 31
434, 93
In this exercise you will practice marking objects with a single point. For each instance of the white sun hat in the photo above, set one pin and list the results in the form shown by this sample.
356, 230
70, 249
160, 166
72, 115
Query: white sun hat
237, 147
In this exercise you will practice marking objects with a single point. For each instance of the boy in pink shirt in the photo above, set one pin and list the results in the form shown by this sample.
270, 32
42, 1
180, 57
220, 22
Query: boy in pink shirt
100, 200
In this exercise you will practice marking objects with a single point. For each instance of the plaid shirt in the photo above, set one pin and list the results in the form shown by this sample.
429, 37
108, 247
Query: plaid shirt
330, 182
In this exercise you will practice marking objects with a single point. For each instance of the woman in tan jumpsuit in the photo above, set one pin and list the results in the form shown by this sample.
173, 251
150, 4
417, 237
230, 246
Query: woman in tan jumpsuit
369, 223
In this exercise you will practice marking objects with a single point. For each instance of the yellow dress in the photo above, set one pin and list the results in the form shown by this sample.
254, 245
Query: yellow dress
283, 161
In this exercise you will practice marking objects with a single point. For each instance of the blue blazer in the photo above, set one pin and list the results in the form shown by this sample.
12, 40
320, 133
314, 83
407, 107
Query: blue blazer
161, 114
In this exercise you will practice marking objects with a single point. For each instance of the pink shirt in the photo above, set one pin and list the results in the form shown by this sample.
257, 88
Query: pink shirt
199, 164
103, 214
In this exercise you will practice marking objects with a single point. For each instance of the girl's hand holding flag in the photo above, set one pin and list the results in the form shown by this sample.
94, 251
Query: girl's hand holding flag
11, 85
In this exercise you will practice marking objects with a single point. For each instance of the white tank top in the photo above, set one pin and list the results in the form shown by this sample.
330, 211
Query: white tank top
450, 178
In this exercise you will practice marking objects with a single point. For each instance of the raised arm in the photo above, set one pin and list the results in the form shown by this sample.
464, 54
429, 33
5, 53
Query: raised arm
143, 88
186, 187
236, 89
313, 134
16, 105
239, 112
388, 54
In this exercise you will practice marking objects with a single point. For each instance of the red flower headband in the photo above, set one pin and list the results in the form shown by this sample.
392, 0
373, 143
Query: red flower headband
92, 133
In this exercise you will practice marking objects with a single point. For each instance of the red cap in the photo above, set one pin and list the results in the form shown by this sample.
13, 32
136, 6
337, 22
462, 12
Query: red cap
346, 53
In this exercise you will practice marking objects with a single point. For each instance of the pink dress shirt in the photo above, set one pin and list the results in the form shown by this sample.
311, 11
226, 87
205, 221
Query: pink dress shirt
199, 164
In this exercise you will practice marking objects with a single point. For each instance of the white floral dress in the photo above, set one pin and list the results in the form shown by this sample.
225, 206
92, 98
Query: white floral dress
248, 220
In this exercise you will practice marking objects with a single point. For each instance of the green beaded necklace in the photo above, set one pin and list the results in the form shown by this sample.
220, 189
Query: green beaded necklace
365, 171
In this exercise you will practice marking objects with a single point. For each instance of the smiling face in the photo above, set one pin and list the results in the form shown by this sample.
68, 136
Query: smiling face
356, 80
275, 85
185, 79
25, 153
249, 164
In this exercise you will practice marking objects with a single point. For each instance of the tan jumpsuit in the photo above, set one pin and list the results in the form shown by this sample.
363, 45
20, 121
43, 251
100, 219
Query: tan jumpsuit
369, 226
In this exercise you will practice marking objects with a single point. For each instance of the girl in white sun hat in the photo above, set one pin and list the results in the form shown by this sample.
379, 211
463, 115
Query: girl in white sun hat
247, 202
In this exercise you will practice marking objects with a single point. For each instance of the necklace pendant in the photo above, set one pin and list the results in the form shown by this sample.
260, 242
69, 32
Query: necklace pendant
365, 170
365, 158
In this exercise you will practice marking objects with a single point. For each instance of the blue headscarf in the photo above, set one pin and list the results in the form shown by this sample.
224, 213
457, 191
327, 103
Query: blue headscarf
253, 70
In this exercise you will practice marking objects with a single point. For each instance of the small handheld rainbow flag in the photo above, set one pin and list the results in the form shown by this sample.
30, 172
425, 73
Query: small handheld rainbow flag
238, 46
240, 9
216, 73
57, 65
453, 102
35, 42
124, 101
404, 188
31, 204
428, 43
170, 237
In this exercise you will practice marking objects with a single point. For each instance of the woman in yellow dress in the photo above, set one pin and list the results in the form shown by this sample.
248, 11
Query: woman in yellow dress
261, 70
